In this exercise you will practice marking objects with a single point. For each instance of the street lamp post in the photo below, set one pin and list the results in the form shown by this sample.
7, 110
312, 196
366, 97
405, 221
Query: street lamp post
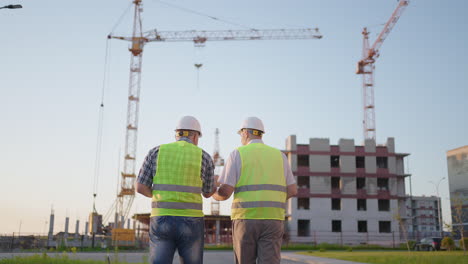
12, 6
438, 204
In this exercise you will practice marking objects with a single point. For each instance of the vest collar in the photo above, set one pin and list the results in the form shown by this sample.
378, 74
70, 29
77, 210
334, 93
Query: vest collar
255, 141
186, 139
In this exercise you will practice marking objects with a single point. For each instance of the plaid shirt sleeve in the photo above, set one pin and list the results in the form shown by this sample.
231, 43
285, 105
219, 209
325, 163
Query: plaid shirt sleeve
207, 173
148, 169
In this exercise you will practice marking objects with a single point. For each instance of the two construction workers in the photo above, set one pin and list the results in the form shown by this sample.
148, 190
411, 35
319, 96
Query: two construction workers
175, 174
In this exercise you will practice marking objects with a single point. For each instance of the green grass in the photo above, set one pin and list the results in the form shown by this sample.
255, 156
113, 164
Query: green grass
326, 246
58, 259
45, 259
401, 257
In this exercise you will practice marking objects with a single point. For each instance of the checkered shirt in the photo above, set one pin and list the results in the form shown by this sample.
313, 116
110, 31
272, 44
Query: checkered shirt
148, 169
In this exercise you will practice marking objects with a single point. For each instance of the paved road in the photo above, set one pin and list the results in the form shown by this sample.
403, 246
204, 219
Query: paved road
210, 257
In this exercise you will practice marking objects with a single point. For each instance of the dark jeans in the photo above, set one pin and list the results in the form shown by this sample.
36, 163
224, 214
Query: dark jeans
168, 233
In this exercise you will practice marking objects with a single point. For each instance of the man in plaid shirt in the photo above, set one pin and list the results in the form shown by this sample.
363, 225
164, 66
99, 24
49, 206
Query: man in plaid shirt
174, 175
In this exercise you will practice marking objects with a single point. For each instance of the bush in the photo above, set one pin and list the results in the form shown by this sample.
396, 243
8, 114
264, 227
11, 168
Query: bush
411, 243
448, 243
464, 243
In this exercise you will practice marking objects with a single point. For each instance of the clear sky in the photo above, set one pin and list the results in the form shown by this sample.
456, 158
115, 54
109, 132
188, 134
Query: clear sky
52, 68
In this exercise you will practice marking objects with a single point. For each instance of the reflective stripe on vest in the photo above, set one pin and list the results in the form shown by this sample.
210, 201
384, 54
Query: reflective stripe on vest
175, 205
177, 183
260, 192
176, 188
259, 187
258, 204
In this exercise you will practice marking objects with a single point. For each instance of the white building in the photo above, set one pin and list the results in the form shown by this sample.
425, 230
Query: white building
423, 216
457, 165
347, 194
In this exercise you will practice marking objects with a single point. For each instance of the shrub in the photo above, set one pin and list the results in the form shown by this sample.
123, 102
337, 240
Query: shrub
448, 243
464, 243
322, 250
411, 243
349, 249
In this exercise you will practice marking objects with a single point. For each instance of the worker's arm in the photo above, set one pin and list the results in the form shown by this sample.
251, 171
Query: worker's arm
291, 190
143, 189
223, 193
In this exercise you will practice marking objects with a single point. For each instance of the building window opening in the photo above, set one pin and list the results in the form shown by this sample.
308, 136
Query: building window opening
336, 203
303, 160
385, 227
303, 228
384, 205
382, 162
362, 226
382, 184
303, 203
303, 182
360, 183
335, 183
360, 162
336, 225
335, 161
361, 205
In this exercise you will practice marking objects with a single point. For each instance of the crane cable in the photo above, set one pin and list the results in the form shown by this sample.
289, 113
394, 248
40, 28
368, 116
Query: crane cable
105, 83
202, 14
97, 161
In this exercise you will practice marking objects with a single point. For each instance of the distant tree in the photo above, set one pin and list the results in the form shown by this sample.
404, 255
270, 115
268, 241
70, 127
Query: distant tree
402, 223
448, 243
458, 217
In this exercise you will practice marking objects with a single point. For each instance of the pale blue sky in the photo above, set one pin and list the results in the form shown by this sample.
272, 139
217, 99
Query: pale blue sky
52, 65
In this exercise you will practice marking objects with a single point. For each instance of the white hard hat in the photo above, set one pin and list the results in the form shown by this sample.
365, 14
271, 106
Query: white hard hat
253, 123
189, 123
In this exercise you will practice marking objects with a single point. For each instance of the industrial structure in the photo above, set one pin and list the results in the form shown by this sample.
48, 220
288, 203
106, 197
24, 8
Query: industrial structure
423, 219
138, 40
347, 194
457, 166
366, 68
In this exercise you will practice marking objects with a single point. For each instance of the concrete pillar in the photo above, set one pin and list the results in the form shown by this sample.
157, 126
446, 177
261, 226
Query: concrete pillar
65, 234
50, 237
218, 226
77, 229
122, 222
128, 223
116, 220
86, 230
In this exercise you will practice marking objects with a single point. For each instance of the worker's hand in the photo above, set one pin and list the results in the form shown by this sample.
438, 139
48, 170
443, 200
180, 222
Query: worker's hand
217, 181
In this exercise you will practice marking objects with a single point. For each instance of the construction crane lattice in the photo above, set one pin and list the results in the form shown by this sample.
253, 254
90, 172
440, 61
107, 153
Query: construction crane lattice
366, 68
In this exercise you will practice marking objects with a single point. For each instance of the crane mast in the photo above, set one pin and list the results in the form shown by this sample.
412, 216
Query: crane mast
127, 190
138, 39
366, 68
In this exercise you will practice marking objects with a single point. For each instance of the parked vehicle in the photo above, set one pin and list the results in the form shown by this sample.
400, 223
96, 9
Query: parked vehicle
428, 244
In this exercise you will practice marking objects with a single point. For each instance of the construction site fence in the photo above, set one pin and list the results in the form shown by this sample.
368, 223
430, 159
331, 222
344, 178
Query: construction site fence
13, 242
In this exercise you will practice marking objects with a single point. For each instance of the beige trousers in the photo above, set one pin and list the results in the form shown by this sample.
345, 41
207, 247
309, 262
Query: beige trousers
257, 241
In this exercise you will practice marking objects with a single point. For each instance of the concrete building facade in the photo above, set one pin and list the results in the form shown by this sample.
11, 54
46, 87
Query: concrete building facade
347, 194
457, 166
423, 216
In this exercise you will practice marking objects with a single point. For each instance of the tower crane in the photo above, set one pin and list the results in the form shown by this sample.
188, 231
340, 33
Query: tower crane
366, 67
138, 40
218, 162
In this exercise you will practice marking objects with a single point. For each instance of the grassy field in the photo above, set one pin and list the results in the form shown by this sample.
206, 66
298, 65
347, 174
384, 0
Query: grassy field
400, 257
44, 259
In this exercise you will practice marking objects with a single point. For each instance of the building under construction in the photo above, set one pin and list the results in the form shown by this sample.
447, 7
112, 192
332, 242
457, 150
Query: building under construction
347, 194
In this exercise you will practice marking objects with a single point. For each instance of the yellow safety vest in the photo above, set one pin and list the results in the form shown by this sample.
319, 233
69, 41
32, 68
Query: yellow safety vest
177, 182
260, 192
